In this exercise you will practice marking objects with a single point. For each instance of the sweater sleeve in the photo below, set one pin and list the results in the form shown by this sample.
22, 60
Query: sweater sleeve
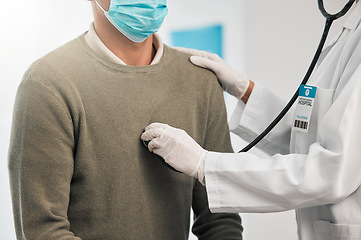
208, 225
41, 163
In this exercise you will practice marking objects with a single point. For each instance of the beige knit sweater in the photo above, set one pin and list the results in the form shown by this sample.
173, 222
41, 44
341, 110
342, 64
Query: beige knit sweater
78, 169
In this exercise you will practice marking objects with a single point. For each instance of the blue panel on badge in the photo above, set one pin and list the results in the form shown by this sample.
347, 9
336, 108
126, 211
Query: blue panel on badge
207, 38
307, 91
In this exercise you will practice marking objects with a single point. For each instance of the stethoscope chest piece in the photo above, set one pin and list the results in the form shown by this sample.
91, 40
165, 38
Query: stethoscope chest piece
145, 143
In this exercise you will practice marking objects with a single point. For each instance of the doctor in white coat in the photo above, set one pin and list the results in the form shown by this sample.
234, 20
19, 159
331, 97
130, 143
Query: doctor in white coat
318, 172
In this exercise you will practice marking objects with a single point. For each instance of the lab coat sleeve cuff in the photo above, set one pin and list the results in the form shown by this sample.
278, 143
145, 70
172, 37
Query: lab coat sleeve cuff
245, 116
211, 179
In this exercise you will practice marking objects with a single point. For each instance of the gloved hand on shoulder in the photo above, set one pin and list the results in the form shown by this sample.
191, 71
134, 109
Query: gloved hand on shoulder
232, 82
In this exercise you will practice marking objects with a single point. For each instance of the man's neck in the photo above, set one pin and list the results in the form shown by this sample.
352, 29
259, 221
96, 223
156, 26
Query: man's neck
131, 53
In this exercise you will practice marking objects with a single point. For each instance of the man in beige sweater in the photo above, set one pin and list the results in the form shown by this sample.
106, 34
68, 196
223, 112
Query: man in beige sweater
77, 167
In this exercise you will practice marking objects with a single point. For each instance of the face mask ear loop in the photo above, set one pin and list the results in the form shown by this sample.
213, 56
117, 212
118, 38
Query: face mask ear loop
100, 6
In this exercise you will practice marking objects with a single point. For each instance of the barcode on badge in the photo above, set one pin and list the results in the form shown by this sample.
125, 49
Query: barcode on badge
301, 124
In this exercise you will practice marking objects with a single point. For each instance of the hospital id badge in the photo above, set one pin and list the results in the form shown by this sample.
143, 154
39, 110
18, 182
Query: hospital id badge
305, 101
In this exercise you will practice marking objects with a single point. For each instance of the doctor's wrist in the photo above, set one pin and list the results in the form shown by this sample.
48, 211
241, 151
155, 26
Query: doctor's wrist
248, 93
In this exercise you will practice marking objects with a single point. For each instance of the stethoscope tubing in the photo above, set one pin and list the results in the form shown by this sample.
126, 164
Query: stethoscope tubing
329, 20
335, 16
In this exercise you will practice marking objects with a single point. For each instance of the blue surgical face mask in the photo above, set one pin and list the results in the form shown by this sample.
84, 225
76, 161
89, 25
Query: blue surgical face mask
136, 19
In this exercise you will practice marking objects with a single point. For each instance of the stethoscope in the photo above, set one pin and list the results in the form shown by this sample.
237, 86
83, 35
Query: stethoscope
329, 20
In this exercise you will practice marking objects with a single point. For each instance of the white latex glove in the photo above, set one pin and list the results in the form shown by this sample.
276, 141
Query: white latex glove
232, 82
177, 148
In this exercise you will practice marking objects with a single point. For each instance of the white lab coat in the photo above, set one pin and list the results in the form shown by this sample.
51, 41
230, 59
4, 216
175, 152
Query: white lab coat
319, 172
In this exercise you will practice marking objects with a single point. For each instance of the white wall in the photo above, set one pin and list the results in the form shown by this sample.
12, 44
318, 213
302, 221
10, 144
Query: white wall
271, 41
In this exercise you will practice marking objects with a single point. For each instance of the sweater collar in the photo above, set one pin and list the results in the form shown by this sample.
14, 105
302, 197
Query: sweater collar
96, 44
